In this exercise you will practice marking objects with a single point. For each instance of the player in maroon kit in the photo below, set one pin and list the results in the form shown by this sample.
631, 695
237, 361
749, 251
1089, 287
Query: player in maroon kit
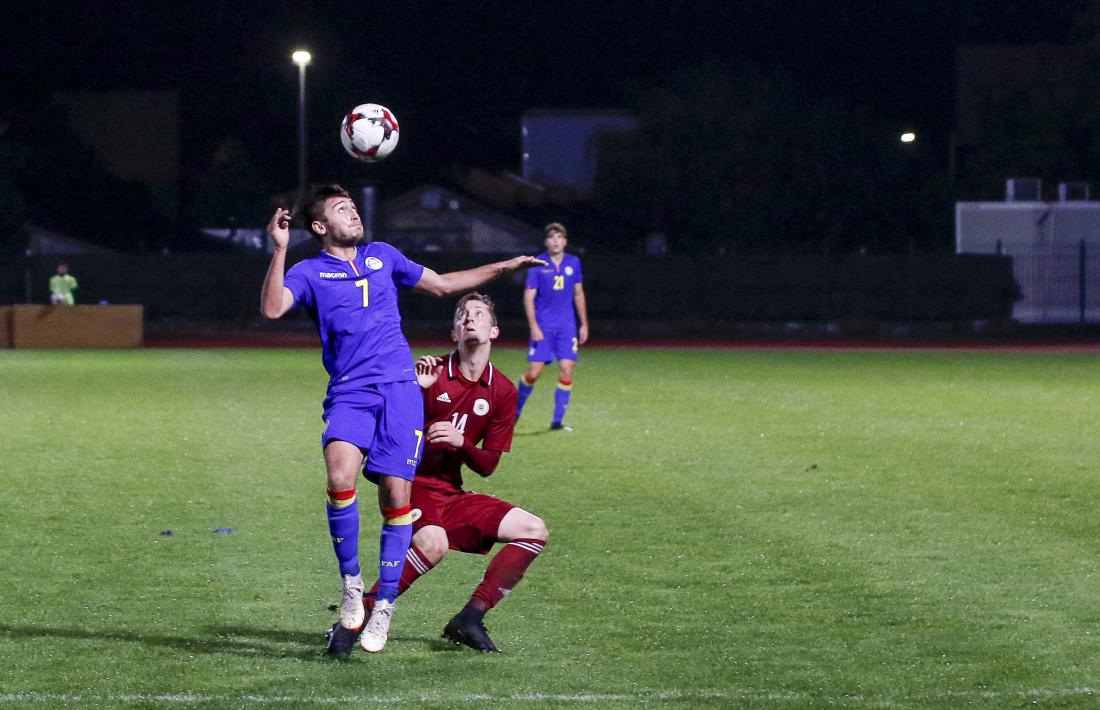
467, 402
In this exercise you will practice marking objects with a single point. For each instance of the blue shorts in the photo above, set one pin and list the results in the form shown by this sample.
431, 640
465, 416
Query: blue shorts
385, 420
555, 344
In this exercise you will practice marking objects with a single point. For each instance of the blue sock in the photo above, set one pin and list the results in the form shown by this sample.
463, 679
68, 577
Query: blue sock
561, 400
343, 525
525, 391
393, 544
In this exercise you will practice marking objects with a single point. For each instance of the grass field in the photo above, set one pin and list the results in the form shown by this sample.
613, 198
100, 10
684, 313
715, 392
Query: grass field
869, 529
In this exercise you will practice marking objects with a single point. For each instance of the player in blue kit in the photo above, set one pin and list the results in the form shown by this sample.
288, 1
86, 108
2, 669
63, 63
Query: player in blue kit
373, 409
554, 301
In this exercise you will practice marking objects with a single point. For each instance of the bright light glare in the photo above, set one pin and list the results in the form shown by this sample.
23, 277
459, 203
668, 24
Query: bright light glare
908, 137
301, 57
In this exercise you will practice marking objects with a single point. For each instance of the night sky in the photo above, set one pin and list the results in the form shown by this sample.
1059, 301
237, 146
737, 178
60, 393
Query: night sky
458, 75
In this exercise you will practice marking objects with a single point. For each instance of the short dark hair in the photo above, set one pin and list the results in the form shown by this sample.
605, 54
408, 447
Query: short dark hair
312, 207
556, 227
475, 296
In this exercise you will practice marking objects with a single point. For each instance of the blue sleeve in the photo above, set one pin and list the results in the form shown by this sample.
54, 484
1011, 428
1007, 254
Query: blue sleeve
298, 283
532, 277
406, 272
580, 272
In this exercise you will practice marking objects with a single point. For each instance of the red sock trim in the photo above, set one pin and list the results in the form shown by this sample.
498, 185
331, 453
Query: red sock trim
567, 383
341, 495
396, 512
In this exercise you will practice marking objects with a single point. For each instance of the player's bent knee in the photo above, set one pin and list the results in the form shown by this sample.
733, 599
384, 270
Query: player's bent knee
432, 541
518, 523
342, 464
537, 529
393, 492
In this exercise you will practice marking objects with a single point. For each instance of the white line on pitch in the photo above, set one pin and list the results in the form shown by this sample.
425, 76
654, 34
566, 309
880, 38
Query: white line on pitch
580, 698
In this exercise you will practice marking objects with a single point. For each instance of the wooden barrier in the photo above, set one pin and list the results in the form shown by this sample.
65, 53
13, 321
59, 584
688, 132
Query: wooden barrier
34, 326
5, 326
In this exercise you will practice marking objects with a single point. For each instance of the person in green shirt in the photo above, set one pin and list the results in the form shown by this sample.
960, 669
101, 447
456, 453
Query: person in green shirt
62, 285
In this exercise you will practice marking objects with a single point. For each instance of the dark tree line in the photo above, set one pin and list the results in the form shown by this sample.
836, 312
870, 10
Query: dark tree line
749, 159
50, 178
752, 160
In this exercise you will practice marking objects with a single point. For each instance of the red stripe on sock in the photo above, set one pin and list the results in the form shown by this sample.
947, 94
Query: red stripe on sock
396, 512
341, 495
567, 383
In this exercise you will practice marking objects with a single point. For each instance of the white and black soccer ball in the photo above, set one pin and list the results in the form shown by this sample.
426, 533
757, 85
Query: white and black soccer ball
369, 132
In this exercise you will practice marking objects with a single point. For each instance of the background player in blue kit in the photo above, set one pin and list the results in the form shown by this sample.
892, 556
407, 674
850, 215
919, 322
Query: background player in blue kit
373, 409
554, 301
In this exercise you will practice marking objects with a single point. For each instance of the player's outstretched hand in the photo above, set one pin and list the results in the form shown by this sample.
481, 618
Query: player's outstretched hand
522, 262
279, 228
444, 432
428, 368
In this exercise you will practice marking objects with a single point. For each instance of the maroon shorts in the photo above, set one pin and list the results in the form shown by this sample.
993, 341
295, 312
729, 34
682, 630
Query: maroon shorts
470, 519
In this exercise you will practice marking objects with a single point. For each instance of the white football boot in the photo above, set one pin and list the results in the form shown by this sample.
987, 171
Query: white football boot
377, 630
352, 612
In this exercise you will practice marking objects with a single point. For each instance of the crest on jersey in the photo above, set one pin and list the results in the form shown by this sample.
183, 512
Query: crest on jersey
481, 407
374, 263
569, 271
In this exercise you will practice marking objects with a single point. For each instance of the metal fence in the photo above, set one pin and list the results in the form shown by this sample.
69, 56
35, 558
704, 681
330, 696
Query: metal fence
680, 292
1054, 247
1058, 287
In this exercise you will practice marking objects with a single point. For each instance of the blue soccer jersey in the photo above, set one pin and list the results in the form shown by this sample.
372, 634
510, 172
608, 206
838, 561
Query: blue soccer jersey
554, 292
354, 306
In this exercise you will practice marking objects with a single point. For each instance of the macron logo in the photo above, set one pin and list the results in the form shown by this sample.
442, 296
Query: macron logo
333, 275
443, 398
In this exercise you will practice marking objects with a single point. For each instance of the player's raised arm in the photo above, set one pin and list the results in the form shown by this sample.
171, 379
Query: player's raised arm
275, 298
458, 281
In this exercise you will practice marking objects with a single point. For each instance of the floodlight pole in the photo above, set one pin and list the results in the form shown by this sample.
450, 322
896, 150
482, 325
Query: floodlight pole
301, 58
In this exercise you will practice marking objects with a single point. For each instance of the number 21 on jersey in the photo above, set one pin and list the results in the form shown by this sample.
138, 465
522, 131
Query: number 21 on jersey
559, 282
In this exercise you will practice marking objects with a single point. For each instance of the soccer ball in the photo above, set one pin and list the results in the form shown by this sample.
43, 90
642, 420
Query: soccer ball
369, 132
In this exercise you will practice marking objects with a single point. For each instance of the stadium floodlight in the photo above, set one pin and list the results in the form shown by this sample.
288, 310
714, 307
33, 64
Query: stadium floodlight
908, 137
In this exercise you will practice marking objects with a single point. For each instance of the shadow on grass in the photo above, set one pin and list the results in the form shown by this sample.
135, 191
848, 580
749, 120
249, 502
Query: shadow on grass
237, 640
540, 432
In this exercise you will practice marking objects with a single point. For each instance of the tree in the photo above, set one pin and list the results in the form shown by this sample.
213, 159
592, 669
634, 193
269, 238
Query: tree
233, 191
13, 205
751, 159
65, 186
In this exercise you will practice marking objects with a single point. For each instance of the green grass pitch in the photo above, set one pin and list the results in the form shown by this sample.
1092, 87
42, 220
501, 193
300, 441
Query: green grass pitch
751, 528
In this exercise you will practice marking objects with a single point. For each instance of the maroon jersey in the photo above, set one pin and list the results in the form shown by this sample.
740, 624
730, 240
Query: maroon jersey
483, 411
